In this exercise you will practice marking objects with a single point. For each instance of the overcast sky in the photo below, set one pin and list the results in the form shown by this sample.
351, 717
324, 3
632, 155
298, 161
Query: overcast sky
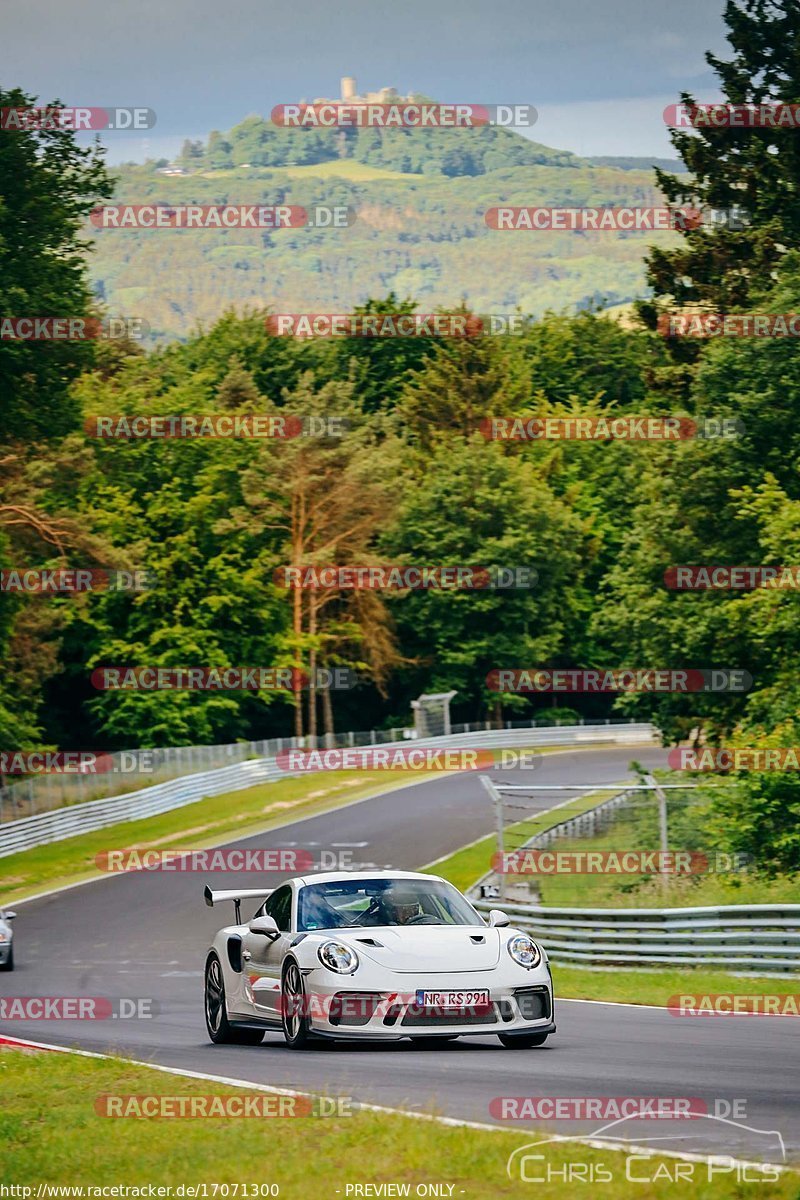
600, 72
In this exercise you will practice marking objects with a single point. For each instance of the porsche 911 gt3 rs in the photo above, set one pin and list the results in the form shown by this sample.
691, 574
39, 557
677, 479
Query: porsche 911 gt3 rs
378, 955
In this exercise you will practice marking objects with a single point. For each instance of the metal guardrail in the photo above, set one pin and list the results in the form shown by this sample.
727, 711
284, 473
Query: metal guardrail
33, 794
761, 937
62, 823
752, 937
125, 771
162, 797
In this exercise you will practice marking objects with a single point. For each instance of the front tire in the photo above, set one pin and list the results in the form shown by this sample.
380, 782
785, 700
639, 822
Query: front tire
8, 965
522, 1041
219, 1027
295, 1026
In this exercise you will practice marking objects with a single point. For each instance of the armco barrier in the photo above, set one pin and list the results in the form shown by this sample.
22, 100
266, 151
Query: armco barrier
32, 794
98, 814
752, 937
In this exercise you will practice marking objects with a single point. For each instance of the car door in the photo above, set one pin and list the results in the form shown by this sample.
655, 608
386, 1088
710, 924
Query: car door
263, 966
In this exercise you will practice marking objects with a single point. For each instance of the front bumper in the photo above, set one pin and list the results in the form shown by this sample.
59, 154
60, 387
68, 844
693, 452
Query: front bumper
344, 1011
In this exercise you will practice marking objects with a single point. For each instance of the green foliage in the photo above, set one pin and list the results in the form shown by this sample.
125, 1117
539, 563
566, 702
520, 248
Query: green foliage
755, 171
47, 188
468, 503
412, 478
258, 143
727, 501
422, 235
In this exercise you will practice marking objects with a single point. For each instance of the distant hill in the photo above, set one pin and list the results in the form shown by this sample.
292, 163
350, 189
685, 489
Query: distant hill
256, 142
420, 200
672, 165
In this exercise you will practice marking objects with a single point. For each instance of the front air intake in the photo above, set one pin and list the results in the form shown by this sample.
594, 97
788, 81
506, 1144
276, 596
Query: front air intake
353, 1008
533, 1003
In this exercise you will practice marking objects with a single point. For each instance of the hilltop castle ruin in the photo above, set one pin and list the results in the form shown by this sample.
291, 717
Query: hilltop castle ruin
349, 95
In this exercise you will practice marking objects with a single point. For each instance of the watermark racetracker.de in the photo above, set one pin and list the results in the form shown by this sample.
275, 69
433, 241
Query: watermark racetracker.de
591, 681
74, 119
153, 678
74, 580
222, 216
78, 1008
36, 328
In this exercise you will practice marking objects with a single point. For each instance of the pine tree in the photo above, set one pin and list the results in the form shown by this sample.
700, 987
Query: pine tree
753, 172
238, 389
218, 152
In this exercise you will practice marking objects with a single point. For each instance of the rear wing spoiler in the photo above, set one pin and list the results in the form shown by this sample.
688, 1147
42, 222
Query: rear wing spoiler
212, 898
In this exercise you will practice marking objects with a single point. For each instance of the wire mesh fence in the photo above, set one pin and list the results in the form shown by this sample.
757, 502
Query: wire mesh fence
614, 842
129, 770
597, 920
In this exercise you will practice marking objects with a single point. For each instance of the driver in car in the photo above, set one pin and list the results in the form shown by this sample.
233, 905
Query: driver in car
400, 908
392, 907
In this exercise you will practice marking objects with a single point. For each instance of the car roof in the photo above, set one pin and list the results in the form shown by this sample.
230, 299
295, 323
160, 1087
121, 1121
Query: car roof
350, 876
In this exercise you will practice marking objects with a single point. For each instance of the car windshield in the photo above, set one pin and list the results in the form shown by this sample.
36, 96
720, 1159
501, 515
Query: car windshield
366, 902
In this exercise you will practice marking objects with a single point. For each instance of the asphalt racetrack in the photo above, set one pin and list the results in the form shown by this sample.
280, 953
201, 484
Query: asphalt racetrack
145, 934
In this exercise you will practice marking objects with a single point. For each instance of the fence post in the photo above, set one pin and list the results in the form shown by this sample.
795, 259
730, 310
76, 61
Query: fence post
497, 800
662, 828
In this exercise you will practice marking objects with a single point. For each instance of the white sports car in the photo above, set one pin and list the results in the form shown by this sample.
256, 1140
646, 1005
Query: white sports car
6, 940
378, 954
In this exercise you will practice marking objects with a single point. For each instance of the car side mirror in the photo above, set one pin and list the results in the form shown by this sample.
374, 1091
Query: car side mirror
8, 916
265, 925
498, 918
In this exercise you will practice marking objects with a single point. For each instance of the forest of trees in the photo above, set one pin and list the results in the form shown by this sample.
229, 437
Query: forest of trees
418, 235
413, 480
256, 142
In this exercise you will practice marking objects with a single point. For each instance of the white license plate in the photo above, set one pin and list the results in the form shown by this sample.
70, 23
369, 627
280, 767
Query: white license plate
465, 999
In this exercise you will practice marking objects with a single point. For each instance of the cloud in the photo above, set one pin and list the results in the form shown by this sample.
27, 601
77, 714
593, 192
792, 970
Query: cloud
628, 126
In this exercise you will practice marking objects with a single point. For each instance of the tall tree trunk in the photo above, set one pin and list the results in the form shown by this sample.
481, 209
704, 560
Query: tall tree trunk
297, 618
327, 717
312, 671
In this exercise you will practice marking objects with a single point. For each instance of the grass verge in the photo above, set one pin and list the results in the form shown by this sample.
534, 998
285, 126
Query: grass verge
470, 863
637, 829
657, 987
52, 1134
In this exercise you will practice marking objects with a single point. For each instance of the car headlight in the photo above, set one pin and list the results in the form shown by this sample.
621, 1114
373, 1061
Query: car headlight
3, 937
337, 957
524, 951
